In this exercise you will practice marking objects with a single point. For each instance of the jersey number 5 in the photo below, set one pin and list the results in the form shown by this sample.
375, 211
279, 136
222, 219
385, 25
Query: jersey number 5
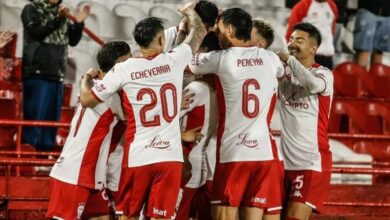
155, 121
246, 97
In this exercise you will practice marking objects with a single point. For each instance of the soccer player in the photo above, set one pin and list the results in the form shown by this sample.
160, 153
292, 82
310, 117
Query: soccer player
206, 10
262, 36
151, 92
202, 112
247, 80
81, 167
305, 93
101, 202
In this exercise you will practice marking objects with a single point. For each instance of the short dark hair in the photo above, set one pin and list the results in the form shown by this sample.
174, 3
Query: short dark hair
264, 28
110, 52
207, 11
311, 30
146, 30
211, 42
240, 20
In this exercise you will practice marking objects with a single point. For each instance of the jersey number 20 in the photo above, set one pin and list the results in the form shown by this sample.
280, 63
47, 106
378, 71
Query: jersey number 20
155, 121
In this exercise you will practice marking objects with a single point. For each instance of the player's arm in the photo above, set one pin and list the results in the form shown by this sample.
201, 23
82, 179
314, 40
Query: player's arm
313, 84
182, 32
197, 29
91, 95
87, 99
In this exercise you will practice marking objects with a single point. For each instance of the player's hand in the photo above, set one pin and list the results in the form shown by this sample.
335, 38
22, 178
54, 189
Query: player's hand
283, 56
63, 11
187, 9
192, 135
82, 14
187, 99
93, 73
5, 38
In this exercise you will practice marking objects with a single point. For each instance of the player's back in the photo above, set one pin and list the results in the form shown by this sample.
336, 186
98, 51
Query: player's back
151, 93
84, 156
245, 88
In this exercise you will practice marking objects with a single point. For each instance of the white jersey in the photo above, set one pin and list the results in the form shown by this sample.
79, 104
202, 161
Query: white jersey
247, 81
83, 159
202, 112
114, 164
305, 120
151, 95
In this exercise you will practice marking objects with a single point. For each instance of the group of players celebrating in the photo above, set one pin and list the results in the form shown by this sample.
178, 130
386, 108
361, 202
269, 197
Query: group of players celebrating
182, 131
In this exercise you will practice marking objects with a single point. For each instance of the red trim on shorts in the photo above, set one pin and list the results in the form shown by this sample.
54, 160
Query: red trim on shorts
222, 115
96, 97
269, 118
92, 151
130, 129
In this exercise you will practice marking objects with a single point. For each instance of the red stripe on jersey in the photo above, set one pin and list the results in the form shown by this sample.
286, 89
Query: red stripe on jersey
79, 120
130, 128
195, 118
96, 97
323, 121
117, 134
92, 151
222, 115
269, 117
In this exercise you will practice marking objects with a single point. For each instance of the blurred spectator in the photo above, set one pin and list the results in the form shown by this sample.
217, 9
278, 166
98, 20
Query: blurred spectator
323, 15
372, 31
47, 34
5, 38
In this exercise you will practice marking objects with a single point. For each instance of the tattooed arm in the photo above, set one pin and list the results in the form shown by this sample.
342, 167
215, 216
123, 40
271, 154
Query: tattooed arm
197, 29
182, 33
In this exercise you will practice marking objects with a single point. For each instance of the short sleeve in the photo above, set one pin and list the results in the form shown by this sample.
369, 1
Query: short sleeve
181, 55
280, 71
327, 76
110, 84
170, 38
205, 63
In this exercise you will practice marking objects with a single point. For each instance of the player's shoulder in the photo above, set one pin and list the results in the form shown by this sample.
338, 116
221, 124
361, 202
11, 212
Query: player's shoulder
321, 70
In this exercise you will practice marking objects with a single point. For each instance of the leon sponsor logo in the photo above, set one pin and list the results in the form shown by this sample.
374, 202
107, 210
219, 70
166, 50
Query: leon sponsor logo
247, 140
158, 143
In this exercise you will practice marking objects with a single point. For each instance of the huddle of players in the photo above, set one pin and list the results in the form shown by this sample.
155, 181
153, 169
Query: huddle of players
232, 168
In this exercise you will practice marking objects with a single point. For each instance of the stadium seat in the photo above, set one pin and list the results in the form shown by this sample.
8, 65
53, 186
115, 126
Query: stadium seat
378, 81
170, 16
127, 16
349, 80
10, 108
351, 116
67, 95
379, 115
101, 21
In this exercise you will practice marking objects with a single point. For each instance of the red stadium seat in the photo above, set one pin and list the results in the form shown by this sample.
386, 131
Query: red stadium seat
348, 80
354, 116
10, 108
379, 115
378, 81
67, 95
